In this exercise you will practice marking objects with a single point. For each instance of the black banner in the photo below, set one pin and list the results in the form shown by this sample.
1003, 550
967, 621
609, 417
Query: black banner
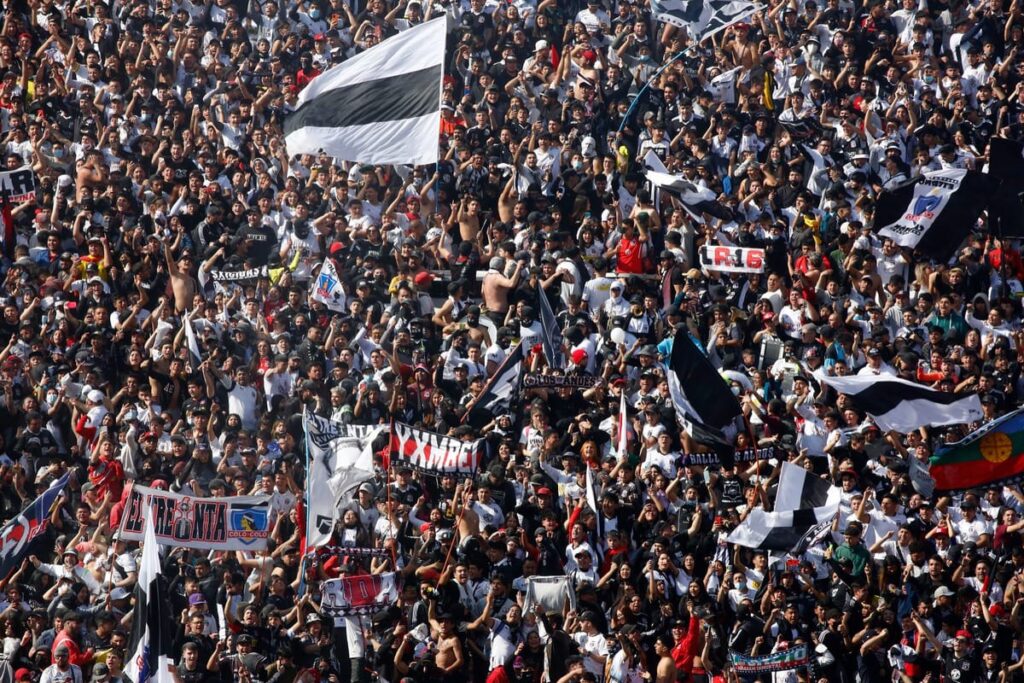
746, 455
540, 381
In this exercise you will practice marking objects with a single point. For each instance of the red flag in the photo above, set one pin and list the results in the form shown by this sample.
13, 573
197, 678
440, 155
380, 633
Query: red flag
8, 229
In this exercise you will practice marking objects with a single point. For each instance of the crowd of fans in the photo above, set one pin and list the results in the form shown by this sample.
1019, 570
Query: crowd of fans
165, 191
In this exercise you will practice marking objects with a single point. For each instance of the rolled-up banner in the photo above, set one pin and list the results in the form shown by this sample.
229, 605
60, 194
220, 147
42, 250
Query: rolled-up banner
236, 523
732, 259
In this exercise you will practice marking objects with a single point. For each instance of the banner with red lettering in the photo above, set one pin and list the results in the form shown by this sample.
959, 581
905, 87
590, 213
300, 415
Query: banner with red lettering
235, 523
432, 453
732, 259
361, 594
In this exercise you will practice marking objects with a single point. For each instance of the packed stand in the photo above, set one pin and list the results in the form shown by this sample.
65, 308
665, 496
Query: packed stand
154, 131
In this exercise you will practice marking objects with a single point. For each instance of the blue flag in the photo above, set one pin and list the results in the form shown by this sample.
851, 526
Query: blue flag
17, 535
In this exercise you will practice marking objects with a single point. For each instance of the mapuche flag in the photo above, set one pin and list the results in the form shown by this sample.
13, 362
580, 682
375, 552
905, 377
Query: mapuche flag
991, 455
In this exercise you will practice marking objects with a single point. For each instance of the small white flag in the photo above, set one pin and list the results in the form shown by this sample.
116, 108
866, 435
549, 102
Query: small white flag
327, 287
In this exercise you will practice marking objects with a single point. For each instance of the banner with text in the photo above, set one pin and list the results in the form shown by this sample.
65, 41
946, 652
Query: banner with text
536, 380
19, 185
746, 455
236, 523
432, 453
363, 594
732, 259
793, 658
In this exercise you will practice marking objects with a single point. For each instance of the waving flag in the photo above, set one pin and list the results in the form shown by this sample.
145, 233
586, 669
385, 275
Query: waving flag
705, 406
383, 106
990, 455
503, 386
327, 287
17, 535
900, 405
701, 18
152, 636
933, 213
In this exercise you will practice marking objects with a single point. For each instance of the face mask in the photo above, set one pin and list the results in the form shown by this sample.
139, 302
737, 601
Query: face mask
735, 391
929, 79
51, 398
577, 165
59, 152
314, 14
741, 585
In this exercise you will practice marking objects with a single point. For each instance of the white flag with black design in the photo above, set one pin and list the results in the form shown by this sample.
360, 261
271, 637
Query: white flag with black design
327, 287
697, 200
336, 464
383, 106
785, 531
900, 405
702, 18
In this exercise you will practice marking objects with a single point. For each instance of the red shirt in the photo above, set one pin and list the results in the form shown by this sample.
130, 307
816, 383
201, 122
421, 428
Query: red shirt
631, 255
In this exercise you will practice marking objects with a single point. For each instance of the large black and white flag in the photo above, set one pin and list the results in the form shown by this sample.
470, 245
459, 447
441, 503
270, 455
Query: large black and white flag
383, 106
705, 406
800, 488
933, 213
701, 18
337, 464
151, 647
696, 199
790, 531
900, 405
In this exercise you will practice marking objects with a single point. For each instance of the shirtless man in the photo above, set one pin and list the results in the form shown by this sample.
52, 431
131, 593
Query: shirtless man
183, 285
91, 172
496, 287
468, 217
449, 658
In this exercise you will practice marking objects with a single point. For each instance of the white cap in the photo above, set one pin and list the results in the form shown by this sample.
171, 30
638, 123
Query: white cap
541, 45
96, 396
64, 181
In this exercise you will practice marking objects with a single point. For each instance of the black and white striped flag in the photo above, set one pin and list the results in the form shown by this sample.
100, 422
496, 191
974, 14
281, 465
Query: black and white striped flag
900, 405
383, 106
150, 646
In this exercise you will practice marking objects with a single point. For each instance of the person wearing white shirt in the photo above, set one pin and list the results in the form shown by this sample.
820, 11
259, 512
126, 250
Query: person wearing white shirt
592, 644
971, 526
876, 366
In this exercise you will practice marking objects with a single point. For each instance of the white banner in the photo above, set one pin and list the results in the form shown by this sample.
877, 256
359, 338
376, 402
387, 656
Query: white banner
327, 287
337, 463
235, 523
732, 259
361, 594
931, 195
19, 184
